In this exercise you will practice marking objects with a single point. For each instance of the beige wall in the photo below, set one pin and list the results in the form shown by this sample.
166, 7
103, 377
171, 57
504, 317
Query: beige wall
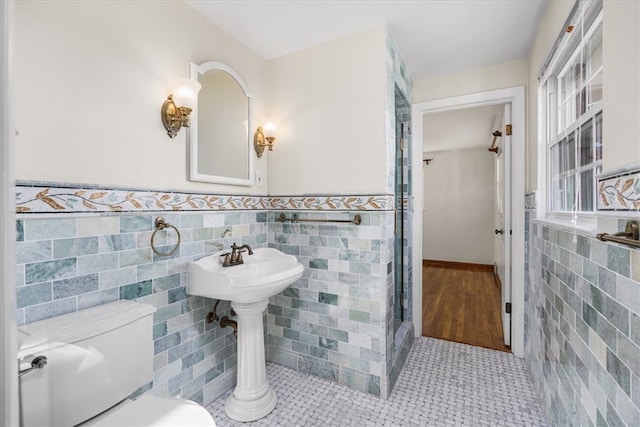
621, 85
475, 80
459, 206
329, 102
90, 78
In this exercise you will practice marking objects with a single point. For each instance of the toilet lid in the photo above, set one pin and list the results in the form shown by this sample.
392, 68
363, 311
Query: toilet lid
152, 411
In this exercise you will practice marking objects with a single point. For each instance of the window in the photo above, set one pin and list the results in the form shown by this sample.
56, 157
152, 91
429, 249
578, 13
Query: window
571, 115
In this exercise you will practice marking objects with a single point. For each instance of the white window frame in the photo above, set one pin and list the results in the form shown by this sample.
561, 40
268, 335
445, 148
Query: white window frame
561, 57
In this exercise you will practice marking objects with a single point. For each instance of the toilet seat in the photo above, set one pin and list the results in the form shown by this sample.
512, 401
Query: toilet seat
152, 411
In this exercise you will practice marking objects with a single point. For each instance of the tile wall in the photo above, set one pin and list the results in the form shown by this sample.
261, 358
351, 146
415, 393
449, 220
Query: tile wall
398, 339
582, 326
330, 323
70, 262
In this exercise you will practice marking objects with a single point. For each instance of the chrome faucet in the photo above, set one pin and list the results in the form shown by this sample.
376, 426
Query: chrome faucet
235, 256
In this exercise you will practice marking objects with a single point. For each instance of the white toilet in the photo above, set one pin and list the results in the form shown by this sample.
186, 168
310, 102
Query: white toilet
95, 359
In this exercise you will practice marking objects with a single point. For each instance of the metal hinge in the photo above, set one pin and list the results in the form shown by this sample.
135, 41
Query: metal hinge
507, 308
508, 130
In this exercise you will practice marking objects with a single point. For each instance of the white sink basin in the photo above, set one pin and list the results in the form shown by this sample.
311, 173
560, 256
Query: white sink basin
264, 274
248, 286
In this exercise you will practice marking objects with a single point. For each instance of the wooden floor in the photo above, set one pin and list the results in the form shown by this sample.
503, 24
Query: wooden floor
461, 302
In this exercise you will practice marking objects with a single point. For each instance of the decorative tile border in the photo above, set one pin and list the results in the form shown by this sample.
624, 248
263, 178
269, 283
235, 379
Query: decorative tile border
36, 199
50, 199
333, 203
619, 191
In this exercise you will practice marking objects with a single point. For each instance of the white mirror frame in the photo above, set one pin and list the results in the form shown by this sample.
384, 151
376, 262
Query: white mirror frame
194, 175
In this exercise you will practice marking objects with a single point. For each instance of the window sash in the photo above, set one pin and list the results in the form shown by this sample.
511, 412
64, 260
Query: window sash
572, 125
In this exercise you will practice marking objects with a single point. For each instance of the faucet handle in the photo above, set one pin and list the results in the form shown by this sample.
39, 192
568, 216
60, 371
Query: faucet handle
227, 260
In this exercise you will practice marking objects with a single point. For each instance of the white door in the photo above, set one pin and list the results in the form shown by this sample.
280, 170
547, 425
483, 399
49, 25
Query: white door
503, 222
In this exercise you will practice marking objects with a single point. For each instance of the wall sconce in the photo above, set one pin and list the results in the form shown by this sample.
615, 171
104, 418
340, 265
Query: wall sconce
259, 138
179, 104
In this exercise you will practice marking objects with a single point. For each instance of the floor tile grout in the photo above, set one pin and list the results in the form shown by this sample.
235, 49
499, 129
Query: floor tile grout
442, 384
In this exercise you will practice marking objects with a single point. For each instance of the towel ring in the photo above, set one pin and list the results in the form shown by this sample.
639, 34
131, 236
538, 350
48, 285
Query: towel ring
161, 224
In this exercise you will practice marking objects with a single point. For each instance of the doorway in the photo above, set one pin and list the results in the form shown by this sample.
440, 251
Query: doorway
464, 257
513, 207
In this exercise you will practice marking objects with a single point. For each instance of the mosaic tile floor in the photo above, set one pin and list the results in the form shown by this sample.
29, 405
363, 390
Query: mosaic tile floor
442, 384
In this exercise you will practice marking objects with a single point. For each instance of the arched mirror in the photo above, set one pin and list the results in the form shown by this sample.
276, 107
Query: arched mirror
219, 143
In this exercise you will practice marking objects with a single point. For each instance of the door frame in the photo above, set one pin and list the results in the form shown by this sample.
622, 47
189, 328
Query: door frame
9, 407
516, 97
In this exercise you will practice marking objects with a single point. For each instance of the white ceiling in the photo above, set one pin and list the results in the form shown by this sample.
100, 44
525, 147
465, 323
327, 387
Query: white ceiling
434, 36
461, 129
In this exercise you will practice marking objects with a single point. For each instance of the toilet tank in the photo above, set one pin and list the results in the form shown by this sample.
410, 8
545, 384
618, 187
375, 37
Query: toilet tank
96, 358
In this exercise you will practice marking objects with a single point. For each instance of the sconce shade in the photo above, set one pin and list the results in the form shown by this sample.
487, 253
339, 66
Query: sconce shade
269, 128
185, 92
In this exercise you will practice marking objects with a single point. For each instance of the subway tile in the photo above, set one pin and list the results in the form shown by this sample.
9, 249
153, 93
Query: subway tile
628, 292
327, 298
33, 251
619, 260
360, 268
232, 218
177, 294
135, 290
166, 342
584, 246
98, 226
116, 278
75, 286
50, 270
607, 281
97, 298
192, 221
135, 257
166, 282
359, 316
117, 242
97, 263
635, 265
181, 350
328, 343
129, 224
152, 270
50, 309
64, 248
43, 229
599, 252
34, 294
19, 230
318, 263
635, 390
629, 354
635, 328
191, 359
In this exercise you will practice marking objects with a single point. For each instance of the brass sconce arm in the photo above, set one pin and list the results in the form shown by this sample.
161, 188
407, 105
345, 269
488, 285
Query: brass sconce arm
259, 141
174, 117
179, 104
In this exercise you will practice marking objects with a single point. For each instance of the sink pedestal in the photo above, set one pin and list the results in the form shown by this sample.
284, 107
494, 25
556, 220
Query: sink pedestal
253, 397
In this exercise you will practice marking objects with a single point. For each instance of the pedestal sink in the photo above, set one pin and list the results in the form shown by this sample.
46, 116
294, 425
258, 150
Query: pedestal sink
248, 286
